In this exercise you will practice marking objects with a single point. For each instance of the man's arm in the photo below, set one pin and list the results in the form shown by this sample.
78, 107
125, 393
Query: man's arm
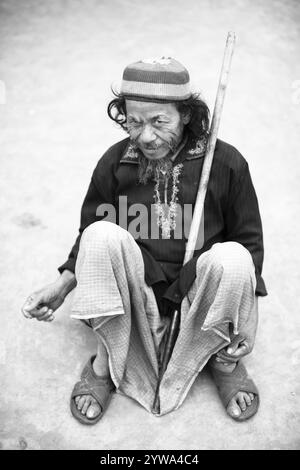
67, 282
243, 222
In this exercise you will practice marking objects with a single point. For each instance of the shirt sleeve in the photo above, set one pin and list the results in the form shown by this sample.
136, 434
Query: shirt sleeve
100, 190
243, 223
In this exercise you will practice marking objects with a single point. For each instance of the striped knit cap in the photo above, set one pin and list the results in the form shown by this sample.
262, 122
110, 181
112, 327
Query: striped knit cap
163, 79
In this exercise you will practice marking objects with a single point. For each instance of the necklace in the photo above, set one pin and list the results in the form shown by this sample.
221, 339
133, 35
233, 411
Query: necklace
166, 213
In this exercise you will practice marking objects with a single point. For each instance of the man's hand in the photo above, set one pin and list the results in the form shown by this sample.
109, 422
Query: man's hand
243, 343
42, 303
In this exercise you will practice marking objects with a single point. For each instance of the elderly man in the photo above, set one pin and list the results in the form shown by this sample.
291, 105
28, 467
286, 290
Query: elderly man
127, 260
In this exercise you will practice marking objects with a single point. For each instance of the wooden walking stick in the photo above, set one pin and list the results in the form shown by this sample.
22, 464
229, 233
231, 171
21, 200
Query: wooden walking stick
199, 204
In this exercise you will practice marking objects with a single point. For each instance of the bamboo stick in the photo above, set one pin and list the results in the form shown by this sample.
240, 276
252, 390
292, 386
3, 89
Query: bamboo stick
199, 204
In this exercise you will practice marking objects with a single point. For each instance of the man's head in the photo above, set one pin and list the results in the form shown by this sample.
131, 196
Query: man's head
155, 106
155, 128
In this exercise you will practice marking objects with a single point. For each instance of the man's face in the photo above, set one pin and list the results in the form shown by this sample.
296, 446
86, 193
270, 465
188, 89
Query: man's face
156, 128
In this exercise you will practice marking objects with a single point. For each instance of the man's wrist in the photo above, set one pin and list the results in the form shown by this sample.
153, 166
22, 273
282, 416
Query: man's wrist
66, 281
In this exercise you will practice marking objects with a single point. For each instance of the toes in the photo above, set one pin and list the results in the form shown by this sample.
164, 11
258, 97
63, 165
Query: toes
239, 403
86, 405
247, 399
93, 410
240, 398
77, 400
233, 409
81, 402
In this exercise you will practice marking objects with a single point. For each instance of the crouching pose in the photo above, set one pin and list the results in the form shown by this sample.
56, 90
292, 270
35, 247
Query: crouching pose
126, 263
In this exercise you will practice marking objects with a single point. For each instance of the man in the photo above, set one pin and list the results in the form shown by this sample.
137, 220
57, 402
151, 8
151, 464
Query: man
127, 260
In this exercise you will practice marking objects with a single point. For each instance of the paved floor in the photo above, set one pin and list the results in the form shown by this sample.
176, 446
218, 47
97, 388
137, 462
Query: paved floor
58, 60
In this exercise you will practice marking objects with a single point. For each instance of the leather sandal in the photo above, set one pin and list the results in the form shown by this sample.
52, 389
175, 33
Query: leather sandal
100, 388
229, 384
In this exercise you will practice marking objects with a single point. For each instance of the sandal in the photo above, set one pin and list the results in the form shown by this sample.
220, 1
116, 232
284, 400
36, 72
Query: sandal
100, 388
229, 384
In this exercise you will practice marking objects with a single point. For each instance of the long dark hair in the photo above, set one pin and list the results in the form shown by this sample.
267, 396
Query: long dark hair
198, 109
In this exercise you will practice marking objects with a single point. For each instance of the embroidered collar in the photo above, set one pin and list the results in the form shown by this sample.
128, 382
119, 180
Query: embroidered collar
131, 154
196, 147
193, 148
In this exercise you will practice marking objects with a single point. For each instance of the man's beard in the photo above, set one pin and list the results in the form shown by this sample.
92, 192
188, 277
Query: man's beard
154, 169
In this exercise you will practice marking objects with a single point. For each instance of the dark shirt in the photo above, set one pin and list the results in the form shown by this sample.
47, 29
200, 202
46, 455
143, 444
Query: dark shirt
231, 213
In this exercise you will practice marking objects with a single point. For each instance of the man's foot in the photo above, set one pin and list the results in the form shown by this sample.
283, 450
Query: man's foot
87, 404
241, 400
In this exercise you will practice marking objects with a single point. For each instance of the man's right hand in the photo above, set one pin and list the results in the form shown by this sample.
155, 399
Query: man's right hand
42, 303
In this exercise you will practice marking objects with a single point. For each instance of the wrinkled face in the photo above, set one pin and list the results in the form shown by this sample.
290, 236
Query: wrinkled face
156, 128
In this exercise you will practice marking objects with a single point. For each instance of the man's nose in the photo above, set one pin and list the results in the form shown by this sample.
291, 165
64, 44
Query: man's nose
147, 136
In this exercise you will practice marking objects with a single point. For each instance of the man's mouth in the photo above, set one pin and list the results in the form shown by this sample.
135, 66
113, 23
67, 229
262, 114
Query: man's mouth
151, 148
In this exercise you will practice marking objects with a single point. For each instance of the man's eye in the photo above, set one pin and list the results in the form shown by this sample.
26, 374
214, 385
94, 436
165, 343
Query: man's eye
134, 123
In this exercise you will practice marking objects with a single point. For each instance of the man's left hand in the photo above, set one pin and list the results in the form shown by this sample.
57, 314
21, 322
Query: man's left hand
243, 343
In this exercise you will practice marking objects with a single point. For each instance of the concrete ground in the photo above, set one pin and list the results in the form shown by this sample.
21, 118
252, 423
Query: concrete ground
58, 60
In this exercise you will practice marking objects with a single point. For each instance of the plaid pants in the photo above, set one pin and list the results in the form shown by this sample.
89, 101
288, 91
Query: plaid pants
111, 292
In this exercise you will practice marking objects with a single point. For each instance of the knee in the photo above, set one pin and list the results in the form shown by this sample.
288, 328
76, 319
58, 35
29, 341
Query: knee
230, 258
103, 232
